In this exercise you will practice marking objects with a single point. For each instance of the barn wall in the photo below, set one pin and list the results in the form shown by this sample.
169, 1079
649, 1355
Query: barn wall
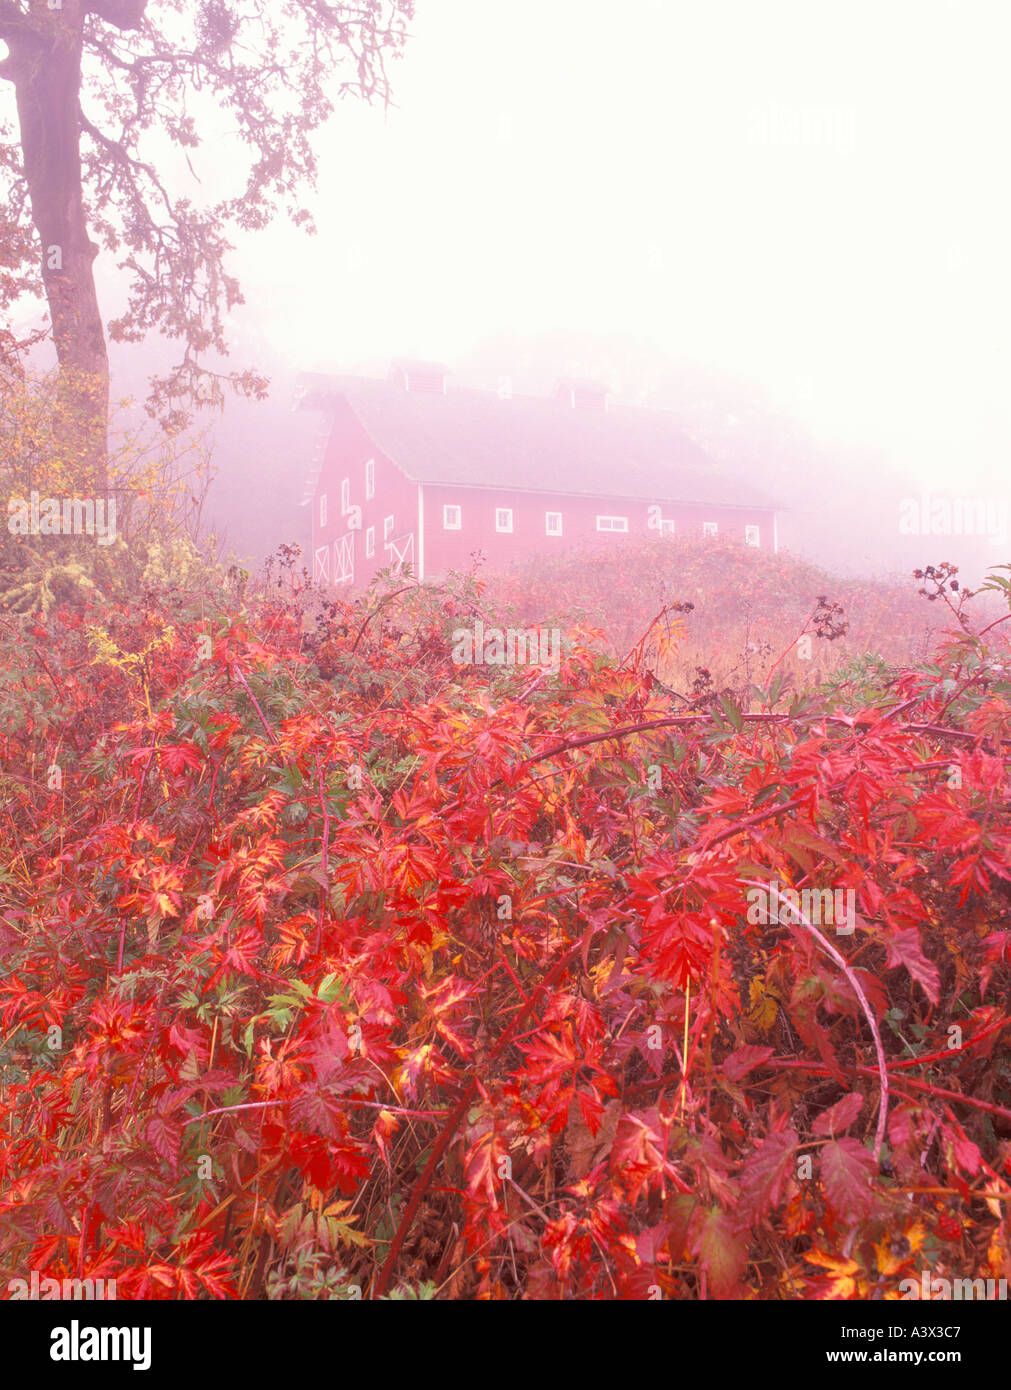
348, 449
347, 452
445, 549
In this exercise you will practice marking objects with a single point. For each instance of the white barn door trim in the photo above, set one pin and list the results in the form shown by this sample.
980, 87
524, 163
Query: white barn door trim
344, 559
401, 552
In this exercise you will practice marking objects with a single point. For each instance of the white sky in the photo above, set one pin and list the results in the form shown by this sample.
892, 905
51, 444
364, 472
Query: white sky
811, 195
814, 195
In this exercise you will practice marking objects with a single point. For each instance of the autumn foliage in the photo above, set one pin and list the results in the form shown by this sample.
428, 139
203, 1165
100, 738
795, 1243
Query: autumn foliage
330, 963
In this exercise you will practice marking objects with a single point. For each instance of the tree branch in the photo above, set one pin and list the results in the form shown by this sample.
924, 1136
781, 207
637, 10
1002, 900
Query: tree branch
121, 14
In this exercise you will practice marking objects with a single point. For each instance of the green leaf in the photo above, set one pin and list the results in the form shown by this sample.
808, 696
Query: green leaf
732, 712
331, 990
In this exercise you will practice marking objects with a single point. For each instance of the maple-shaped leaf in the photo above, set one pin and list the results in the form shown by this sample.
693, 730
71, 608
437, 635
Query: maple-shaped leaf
638, 1151
487, 1165
847, 1169
723, 1252
838, 1118
904, 949
128, 1233
413, 1067
766, 1172
843, 1279
213, 1273
178, 757
896, 1250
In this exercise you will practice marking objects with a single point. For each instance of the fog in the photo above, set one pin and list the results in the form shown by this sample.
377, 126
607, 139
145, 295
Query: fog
787, 221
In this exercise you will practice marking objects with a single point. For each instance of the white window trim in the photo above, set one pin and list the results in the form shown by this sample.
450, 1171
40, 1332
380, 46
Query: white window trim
345, 496
370, 542
710, 528
547, 519
667, 527
622, 519
753, 531
448, 525
387, 528
508, 511
370, 479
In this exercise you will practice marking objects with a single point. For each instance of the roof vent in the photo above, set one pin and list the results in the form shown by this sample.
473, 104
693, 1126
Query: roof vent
420, 378
580, 393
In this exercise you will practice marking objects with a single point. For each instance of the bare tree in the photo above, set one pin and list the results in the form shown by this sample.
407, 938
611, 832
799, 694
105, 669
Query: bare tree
95, 83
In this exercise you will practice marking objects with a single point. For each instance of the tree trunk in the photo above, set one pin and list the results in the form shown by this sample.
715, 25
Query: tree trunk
45, 66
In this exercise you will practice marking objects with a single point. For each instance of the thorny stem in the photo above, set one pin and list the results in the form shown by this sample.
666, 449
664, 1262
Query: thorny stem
831, 951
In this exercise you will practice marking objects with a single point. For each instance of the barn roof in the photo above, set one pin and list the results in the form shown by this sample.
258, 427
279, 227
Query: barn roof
474, 438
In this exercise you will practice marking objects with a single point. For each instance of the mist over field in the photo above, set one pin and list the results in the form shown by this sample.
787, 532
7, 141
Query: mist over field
755, 216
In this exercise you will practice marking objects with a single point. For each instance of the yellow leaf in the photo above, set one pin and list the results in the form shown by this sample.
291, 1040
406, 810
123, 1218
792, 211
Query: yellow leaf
764, 1007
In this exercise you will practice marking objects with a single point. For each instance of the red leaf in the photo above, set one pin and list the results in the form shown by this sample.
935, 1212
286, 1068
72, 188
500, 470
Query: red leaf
838, 1118
592, 1110
164, 1136
745, 1059
766, 1172
967, 1154
904, 949
846, 1170
722, 1252
178, 757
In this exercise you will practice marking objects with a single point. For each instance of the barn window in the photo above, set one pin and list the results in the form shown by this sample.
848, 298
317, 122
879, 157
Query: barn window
451, 518
553, 523
322, 509
751, 535
345, 496
666, 528
370, 480
709, 528
370, 542
503, 519
612, 523
387, 528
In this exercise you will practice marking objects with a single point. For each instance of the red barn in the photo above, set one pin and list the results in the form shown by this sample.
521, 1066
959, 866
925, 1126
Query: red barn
412, 471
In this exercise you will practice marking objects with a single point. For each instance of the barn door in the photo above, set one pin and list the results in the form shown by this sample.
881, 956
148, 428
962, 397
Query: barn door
401, 552
344, 559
